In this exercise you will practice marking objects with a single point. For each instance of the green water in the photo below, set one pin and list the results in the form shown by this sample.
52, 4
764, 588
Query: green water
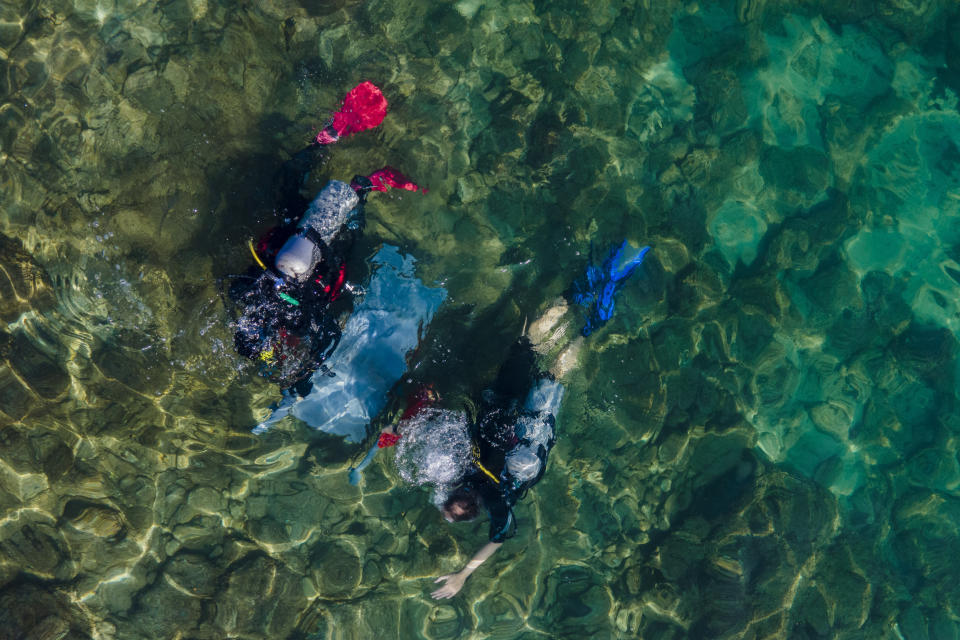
761, 444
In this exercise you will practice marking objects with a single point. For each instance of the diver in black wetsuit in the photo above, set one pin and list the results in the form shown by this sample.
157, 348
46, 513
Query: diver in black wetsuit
516, 427
512, 435
285, 317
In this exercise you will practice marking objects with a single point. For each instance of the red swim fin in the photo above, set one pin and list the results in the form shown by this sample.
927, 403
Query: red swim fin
390, 177
364, 107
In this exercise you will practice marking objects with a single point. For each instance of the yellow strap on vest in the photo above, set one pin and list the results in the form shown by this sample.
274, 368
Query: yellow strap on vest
476, 461
255, 256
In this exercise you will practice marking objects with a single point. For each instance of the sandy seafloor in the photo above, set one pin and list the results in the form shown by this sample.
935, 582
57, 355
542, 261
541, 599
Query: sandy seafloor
761, 444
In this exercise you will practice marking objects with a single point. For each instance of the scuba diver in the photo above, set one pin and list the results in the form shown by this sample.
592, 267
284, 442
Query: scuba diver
514, 433
484, 464
515, 429
287, 311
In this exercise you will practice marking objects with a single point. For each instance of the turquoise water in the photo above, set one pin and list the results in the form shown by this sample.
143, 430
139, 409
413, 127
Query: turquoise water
762, 443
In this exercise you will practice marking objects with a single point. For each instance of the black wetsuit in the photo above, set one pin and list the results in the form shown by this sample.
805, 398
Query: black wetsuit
289, 326
495, 435
301, 335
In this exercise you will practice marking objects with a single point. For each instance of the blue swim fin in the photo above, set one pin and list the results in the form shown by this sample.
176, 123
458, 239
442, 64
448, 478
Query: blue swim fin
598, 287
623, 262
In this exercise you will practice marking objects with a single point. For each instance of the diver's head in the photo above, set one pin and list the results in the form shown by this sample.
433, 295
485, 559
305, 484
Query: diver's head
461, 506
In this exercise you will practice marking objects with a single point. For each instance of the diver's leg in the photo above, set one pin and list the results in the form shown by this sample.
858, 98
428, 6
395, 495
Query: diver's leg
549, 331
568, 359
290, 179
551, 338
517, 372
280, 411
302, 388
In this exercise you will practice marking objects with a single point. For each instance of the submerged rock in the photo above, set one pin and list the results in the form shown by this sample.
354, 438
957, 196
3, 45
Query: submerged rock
32, 612
738, 228
37, 548
94, 519
24, 284
571, 602
192, 573
261, 597
335, 569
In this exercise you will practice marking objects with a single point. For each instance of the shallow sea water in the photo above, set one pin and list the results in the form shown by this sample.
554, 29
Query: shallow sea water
762, 443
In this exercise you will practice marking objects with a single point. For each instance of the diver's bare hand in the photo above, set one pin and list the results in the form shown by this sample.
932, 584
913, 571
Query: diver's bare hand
454, 582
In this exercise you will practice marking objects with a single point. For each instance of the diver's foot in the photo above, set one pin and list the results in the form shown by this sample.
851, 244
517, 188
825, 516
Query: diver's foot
567, 360
548, 331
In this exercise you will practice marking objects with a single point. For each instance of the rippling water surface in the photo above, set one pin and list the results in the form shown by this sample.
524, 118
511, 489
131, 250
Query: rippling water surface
762, 443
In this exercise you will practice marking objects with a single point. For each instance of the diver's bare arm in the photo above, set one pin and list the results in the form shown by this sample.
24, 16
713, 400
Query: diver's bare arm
454, 581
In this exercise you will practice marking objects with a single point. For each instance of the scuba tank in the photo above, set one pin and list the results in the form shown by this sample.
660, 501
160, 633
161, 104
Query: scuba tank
523, 464
335, 206
536, 432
